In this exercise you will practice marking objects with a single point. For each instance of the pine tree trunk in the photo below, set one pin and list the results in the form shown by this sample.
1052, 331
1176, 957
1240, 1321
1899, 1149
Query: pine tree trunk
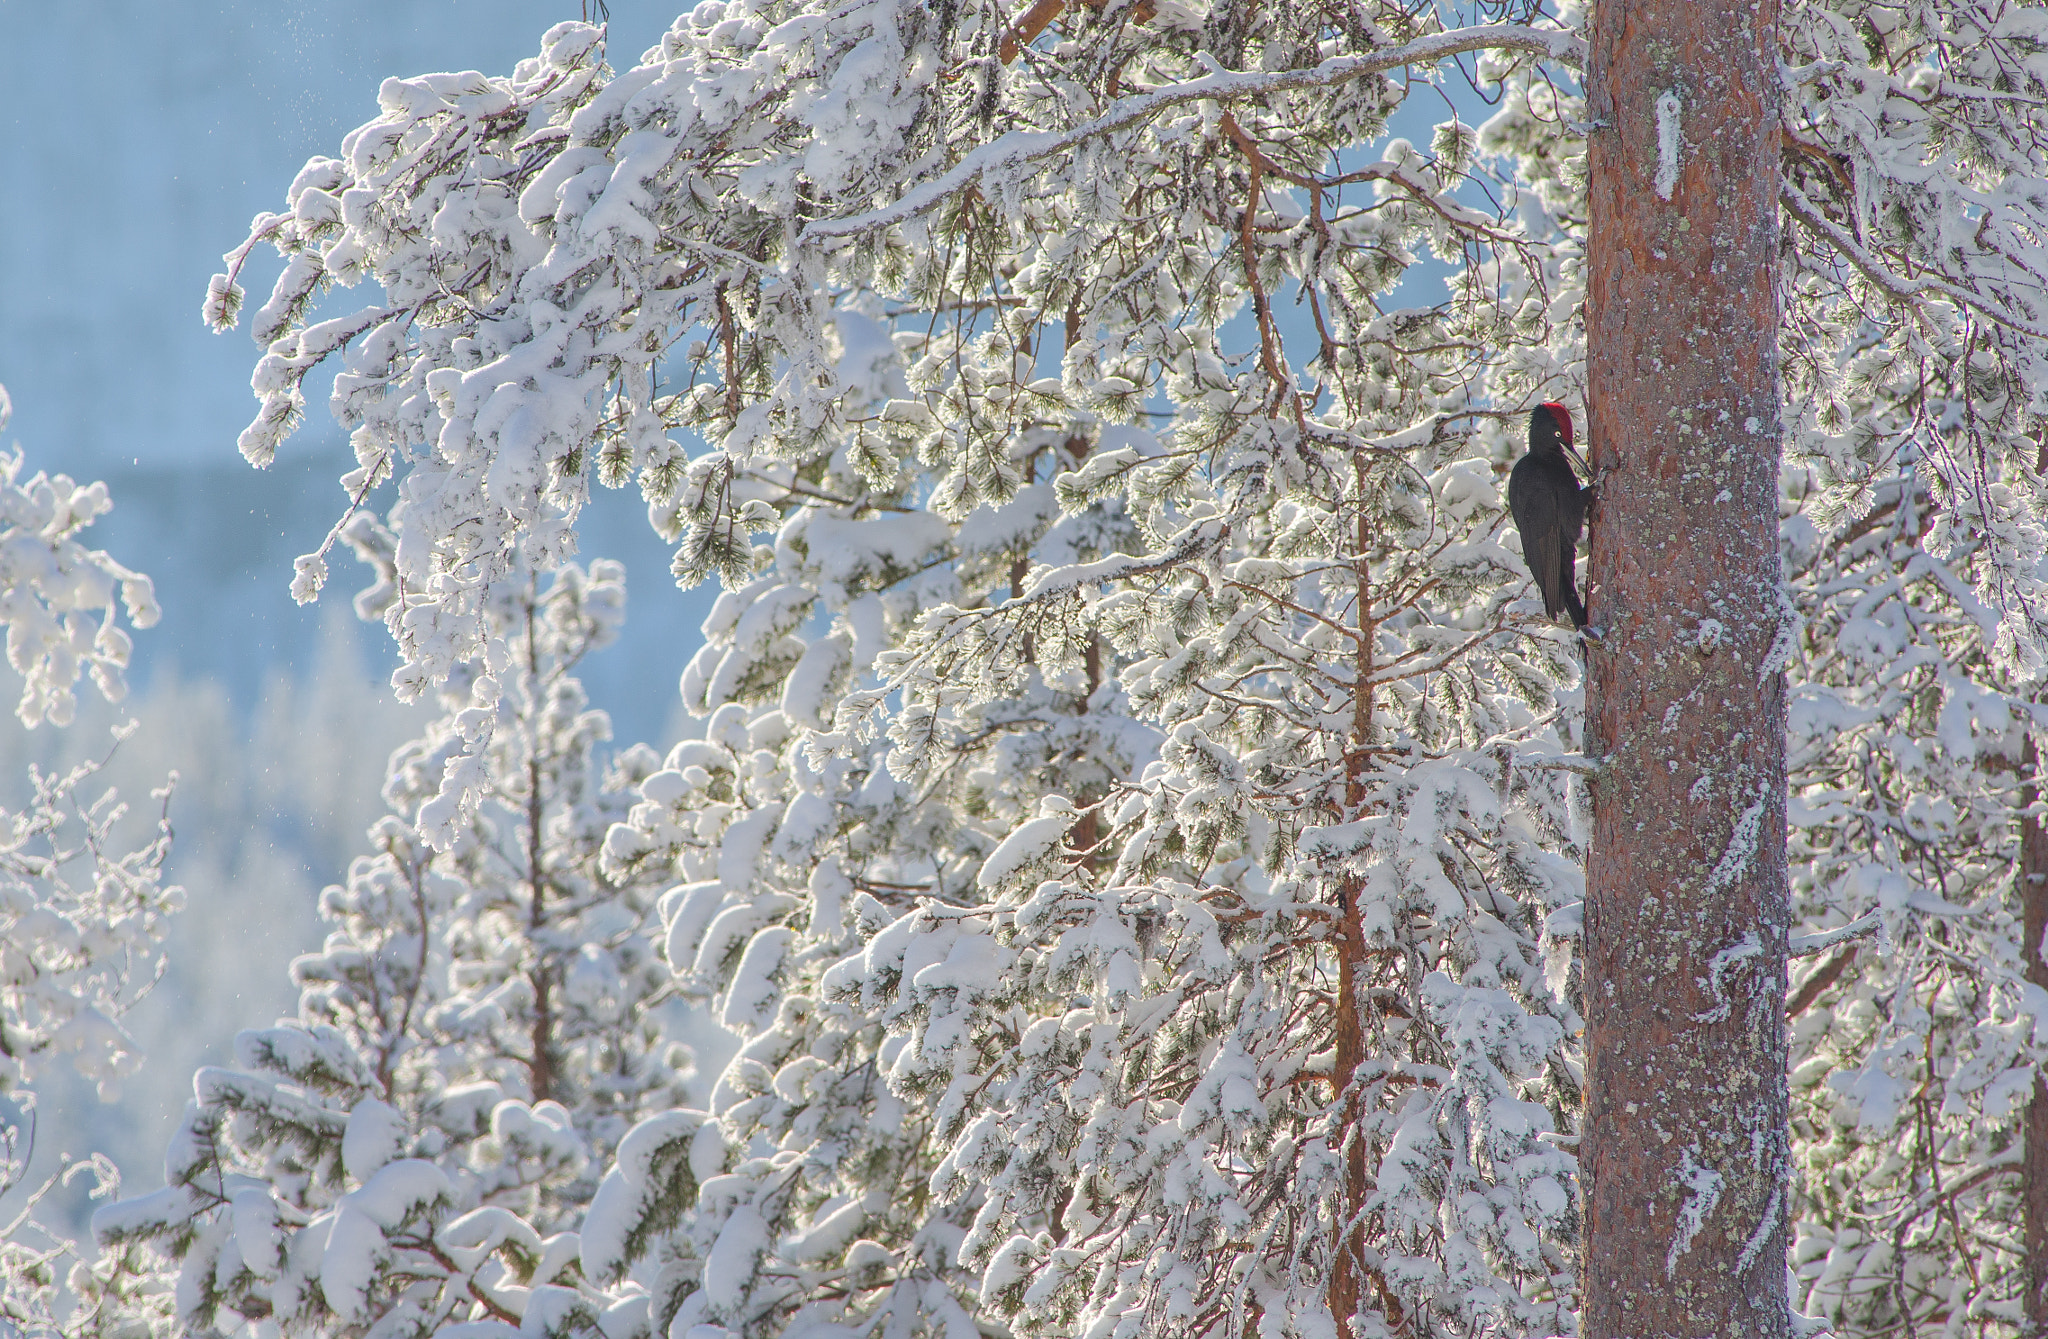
2034, 1166
1684, 1159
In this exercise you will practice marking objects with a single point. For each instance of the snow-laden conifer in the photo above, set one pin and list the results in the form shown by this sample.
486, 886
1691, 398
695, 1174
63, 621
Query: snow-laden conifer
475, 1038
1133, 805
1198, 737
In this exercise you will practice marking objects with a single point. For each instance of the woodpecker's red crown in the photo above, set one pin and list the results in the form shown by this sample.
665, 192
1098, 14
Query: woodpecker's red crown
1564, 420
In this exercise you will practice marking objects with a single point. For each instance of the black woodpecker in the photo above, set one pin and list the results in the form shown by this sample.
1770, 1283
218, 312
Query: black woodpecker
1550, 509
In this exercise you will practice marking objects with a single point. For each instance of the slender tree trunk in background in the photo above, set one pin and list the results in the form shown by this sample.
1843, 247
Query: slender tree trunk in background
1684, 1157
541, 1068
2034, 1167
1351, 1272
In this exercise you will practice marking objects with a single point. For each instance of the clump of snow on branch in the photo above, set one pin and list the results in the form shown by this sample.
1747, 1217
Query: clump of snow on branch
1669, 145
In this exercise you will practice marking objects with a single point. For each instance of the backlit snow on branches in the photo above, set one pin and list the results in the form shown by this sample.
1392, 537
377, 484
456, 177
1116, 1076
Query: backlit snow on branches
82, 918
1913, 1060
1915, 365
1132, 827
1139, 643
1917, 190
81, 927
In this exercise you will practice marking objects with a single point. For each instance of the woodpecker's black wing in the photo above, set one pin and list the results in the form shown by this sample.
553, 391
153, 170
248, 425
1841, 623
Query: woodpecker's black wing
1541, 527
1549, 512
1570, 589
1574, 507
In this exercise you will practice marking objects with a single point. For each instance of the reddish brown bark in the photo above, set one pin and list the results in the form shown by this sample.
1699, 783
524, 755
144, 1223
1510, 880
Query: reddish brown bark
1026, 27
1684, 1157
2034, 1164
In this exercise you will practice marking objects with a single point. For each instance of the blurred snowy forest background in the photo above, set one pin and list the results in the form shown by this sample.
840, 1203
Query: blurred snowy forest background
136, 141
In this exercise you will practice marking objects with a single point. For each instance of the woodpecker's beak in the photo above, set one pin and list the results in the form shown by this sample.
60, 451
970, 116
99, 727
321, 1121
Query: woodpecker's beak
1571, 453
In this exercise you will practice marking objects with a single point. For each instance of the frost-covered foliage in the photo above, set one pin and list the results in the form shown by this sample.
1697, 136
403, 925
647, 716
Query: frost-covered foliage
82, 920
81, 928
1913, 1057
1916, 355
47, 1288
475, 1038
1917, 196
82, 924
1067, 784
1133, 805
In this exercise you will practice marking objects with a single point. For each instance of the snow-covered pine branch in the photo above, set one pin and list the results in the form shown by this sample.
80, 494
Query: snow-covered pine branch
1918, 389
544, 241
60, 601
1911, 1058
